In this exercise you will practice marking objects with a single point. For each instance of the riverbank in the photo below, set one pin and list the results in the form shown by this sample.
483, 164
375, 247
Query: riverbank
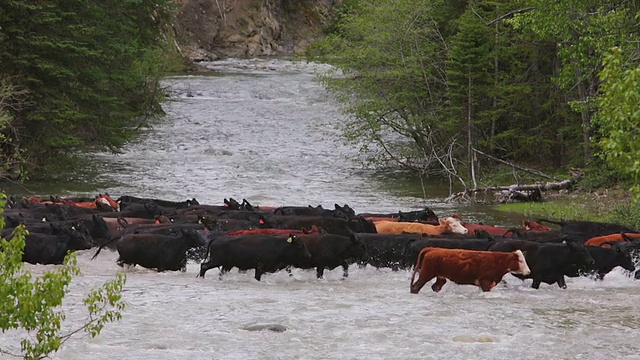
605, 204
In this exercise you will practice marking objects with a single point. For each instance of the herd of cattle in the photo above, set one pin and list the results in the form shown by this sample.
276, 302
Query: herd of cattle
164, 235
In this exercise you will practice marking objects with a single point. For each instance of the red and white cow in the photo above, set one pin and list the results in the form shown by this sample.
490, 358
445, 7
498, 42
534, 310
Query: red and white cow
449, 224
465, 267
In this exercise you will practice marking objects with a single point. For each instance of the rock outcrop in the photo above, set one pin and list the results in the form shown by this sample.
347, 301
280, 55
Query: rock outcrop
207, 30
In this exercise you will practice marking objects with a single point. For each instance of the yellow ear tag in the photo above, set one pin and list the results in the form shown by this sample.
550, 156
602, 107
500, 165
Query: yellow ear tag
289, 239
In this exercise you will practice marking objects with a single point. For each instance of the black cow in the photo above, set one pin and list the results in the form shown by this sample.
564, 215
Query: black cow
329, 251
45, 228
387, 250
127, 201
330, 225
427, 216
194, 214
585, 230
153, 251
51, 249
549, 262
230, 205
343, 212
93, 226
539, 236
606, 259
143, 211
220, 224
97, 228
161, 229
260, 252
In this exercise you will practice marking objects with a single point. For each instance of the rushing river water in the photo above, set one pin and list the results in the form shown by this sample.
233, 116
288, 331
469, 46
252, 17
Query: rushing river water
264, 131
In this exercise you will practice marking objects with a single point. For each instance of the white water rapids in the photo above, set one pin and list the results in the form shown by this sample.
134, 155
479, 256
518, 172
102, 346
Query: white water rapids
261, 132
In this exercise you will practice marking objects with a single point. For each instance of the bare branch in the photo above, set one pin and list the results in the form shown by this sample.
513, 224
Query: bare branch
530, 171
510, 14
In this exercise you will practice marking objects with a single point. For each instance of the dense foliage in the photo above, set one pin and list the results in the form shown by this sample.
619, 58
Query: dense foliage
619, 115
429, 82
32, 304
77, 74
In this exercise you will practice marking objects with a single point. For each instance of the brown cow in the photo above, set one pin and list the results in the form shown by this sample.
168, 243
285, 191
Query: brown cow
466, 267
504, 231
380, 218
605, 239
446, 225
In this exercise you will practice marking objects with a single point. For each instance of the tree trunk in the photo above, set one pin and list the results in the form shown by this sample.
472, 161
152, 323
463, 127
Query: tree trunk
510, 192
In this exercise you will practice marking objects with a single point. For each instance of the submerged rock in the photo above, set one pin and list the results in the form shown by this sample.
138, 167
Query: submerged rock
262, 327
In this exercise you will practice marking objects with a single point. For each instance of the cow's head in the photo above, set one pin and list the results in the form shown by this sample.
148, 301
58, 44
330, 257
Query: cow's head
232, 204
580, 254
77, 240
359, 224
357, 249
519, 264
623, 257
345, 209
298, 246
192, 238
454, 225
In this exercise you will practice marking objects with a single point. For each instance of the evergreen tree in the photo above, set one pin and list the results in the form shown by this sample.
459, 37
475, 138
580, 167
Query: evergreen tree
91, 68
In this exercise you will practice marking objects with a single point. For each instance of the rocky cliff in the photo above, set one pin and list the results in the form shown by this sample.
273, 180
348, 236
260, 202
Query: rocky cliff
207, 30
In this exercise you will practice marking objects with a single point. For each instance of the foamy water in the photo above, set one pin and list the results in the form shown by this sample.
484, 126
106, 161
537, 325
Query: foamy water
371, 315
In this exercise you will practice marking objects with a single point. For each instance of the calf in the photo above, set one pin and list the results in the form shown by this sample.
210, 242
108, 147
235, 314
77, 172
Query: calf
449, 224
465, 267
263, 253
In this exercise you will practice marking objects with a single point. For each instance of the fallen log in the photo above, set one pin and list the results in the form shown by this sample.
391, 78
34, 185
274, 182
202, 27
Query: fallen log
516, 192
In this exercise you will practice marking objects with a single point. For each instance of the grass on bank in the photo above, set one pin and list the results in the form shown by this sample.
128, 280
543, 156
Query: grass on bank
606, 205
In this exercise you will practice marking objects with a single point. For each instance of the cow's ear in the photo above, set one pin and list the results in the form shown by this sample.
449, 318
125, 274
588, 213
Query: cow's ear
618, 249
290, 238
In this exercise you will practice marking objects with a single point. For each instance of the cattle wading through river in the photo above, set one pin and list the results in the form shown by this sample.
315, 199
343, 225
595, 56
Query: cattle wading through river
164, 235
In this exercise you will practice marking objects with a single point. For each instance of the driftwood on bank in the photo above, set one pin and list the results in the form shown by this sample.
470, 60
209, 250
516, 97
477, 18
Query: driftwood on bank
528, 192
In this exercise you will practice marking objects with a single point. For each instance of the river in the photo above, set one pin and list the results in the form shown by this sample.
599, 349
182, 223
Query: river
265, 130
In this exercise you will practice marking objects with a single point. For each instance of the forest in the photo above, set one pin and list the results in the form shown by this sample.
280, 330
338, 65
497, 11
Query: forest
444, 87
77, 75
